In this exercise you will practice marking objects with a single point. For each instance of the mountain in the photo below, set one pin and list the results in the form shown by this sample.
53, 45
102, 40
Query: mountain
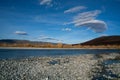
12, 41
104, 40
27, 43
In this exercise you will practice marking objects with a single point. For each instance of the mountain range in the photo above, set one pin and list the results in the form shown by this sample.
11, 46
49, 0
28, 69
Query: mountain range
104, 40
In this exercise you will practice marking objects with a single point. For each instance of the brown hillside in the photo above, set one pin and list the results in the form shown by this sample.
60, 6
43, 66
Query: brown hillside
105, 40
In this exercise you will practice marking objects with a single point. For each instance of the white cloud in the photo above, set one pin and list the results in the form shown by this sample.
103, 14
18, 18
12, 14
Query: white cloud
103, 35
75, 9
45, 2
96, 25
66, 29
20, 32
48, 39
88, 19
85, 16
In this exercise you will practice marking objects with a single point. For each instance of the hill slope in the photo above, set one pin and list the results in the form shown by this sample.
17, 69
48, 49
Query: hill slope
105, 40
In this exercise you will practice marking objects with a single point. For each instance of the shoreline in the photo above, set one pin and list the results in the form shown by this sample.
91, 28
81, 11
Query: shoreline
49, 48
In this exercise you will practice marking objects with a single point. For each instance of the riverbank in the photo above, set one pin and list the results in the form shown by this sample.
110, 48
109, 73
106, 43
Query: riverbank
80, 67
51, 48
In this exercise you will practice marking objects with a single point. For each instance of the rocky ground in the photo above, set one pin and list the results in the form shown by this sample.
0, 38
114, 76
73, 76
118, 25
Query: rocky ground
107, 68
79, 67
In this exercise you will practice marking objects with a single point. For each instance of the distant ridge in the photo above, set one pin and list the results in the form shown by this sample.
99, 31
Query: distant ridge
12, 41
104, 40
27, 43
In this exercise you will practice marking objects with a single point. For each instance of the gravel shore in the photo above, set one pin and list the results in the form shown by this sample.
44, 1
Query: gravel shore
79, 67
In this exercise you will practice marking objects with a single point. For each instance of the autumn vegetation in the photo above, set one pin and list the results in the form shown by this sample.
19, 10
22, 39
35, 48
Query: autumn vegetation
57, 45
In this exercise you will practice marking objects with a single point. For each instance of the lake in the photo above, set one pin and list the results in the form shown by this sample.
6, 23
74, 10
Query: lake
23, 53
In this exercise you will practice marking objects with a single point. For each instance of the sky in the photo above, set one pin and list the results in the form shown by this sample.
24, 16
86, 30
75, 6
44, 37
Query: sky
64, 21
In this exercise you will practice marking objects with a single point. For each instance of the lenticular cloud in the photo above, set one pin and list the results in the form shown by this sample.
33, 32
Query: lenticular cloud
88, 19
21, 33
96, 25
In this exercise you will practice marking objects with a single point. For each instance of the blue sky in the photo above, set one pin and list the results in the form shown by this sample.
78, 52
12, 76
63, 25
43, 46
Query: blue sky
66, 21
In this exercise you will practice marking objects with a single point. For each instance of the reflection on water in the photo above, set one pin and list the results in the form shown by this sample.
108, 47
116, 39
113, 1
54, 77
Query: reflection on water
109, 62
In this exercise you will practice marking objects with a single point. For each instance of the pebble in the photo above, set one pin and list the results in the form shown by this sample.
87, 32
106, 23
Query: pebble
38, 68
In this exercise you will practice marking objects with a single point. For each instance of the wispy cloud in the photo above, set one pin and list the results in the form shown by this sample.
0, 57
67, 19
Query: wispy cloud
75, 9
66, 29
88, 19
102, 35
21, 33
42, 36
97, 26
48, 19
48, 39
85, 16
46, 2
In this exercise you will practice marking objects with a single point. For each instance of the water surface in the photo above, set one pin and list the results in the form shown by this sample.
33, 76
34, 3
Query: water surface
22, 53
